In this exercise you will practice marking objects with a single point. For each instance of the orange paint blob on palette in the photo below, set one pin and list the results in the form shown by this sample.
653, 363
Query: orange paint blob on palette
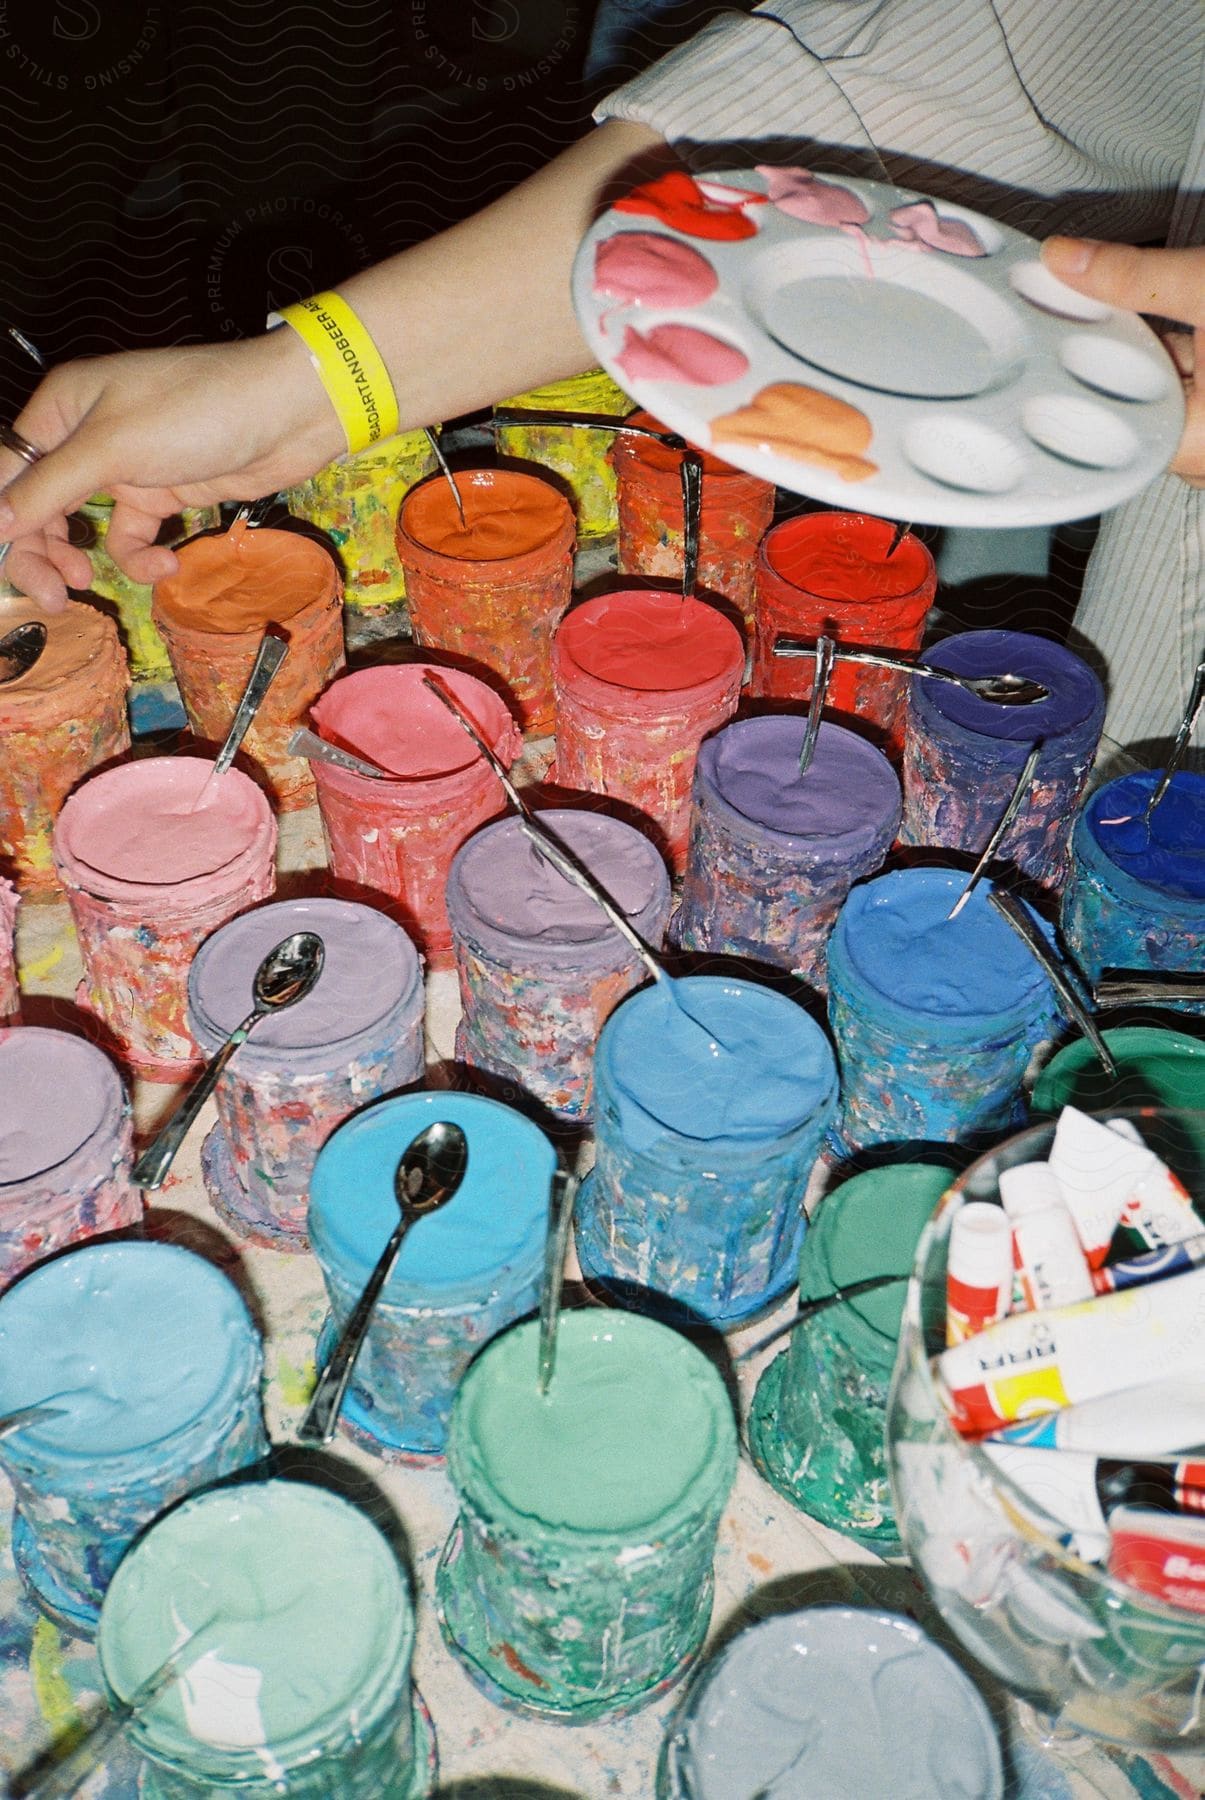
805, 424
679, 202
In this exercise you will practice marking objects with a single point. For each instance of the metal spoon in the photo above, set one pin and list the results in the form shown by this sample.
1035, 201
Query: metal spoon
268, 658
29, 1415
1016, 798
1014, 914
535, 415
560, 1217
692, 511
446, 471
1188, 724
285, 976
1148, 987
824, 651
315, 749
431, 1170
20, 649
89, 1752
1005, 690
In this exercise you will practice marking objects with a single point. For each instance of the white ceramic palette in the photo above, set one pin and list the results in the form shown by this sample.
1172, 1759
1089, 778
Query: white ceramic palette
988, 392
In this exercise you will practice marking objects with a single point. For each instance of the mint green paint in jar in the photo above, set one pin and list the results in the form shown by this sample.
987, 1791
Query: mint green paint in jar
291, 1623
1155, 1067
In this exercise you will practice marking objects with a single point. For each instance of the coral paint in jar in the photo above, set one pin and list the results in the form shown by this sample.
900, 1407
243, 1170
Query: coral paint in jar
490, 592
575, 454
641, 677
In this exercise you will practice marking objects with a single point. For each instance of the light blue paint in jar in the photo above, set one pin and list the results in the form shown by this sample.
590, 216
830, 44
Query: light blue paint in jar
463, 1274
709, 1115
151, 1354
935, 1019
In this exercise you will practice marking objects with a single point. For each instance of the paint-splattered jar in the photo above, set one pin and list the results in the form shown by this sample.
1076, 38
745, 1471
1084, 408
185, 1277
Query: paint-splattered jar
540, 966
291, 1622
818, 1419
464, 1274
1135, 896
65, 1147
10, 992
154, 856
490, 592
397, 838
577, 455
578, 1579
829, 574
772, 853
146, 650
355, 501
962, 755
1155, 1067
151, 1354
708, 1121
641, 677
64, 716
735, 512
935, 1019
356, 1035
212, 614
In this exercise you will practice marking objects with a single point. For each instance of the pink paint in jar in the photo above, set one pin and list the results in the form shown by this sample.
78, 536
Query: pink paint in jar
641, 677
397, 838
154, 856
357, 1035
65, 1147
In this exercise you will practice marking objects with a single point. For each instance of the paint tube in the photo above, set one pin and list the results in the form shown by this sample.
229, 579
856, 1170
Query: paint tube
1164, 1557
1156, 1265
1081, 1492
979, 1270
1113, 1184
1051, 1268
1152, 1420
1034, 1362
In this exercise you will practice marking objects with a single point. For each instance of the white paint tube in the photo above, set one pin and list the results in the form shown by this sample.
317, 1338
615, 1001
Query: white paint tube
1155, 1419
1050, 1266
1081, 1492
1111, 1182
979, 1269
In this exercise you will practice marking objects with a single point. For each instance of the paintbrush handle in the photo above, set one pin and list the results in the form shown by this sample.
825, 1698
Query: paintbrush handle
268, 658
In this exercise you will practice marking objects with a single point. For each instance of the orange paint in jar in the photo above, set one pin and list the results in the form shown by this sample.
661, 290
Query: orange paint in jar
490, 592
735, 514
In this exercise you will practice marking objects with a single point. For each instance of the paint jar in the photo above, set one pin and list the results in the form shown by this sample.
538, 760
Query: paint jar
773, 853
65, 1147
935, 1019
641, 677
151, 1354
64, 716
540, 966
397, 838
10, 991
154, 855
577, 1581
828, 574
818, 1418
577, 455
355, 502
834, 1700
1155, 1067
962, 755
490, 592
145, 649
1135, 895
291, 1623
356, 1035
213, 614
711, 1105
463, 1275
735, 512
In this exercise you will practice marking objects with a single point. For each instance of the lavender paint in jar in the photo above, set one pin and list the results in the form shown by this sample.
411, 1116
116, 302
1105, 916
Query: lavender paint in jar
935, 1019
1135, 898
962, 754
152, 1356
773, 853
709, 1116
463, 1274
65, 1147
358, 1034
540, 966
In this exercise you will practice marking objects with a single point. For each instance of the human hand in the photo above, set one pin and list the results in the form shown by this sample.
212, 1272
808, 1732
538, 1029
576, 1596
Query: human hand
1169, 283
159, 430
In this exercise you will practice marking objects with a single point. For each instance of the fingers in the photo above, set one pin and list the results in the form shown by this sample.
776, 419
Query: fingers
1168, 282
31, 571
132, 532
1189, 460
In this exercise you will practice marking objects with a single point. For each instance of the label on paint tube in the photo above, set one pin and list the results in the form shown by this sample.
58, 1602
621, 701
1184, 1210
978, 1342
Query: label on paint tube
1050, 1266
1164, 1557
1112, 1183
979, 1270
1082, 1492
1156, 1265
1034, 1362
1151, 1420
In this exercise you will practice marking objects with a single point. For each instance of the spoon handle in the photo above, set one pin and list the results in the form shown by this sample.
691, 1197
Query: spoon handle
539, 415
150, 1170
89, 1752
1196, 701
1014, 914
308, 744
692, 503
322, 1413
1016, 798
560, 1217
268, 658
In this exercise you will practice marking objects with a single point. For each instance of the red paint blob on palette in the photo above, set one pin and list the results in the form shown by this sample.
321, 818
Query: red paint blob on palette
678, 201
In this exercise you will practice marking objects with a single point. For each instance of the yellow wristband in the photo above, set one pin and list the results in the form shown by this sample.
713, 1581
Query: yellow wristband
349, 364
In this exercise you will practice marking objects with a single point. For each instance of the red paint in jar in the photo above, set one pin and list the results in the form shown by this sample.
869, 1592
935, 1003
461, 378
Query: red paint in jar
641, 677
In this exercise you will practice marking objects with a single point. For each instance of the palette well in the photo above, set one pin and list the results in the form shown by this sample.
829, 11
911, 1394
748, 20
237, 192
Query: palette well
860, 343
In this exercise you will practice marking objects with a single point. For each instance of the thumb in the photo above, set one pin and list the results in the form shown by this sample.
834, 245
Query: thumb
1170, 283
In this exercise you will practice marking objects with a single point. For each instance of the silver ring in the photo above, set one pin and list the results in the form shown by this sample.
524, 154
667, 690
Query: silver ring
12, 440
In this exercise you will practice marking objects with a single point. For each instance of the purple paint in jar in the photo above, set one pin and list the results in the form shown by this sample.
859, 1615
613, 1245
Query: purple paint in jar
65, 1147
358, 1034
962, 754
773, 853
540, 967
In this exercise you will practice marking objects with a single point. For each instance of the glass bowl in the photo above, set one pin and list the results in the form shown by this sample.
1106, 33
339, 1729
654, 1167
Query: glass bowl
1091, 1653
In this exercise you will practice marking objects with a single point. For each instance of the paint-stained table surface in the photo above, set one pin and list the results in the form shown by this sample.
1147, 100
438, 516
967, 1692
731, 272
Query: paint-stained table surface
770, 1556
